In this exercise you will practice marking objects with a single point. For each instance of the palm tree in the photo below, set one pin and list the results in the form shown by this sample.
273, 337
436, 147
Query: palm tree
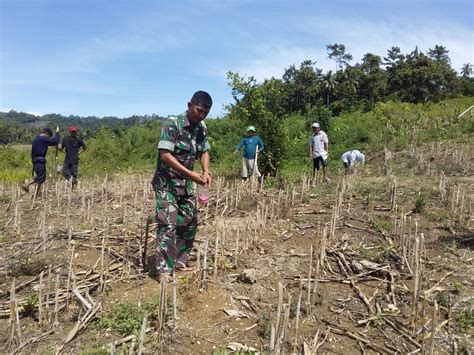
350, 84
466, 70
329, 83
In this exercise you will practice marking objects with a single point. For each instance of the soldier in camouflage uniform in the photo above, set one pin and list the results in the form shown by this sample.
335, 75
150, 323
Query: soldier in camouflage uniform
182, 141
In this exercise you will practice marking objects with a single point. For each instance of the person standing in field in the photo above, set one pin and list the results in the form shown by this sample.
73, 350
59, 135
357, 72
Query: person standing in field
183, 140
251, 144
39, 149
349, 159
318, 152
74, 146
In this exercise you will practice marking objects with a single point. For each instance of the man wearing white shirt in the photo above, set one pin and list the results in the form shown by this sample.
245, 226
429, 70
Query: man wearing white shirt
349, 159
318, 151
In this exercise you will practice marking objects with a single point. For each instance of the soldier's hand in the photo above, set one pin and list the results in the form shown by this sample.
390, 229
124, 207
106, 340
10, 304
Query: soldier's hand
207, 176
197, 178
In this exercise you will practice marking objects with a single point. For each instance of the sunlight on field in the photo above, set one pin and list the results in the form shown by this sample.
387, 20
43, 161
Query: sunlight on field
21, 147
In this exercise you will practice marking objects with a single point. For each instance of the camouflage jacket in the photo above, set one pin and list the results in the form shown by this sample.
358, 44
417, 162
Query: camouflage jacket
187, 142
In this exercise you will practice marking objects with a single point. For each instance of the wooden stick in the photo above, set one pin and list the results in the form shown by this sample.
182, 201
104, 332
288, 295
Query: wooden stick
175, 303
298, 307
433, 327
279, 307
144, 255
308, 302
142, 335
316, 281
48, 291
272, 338
415, 299
56, 323
40, 299
216, 255
80, 325
204, 270
31, 341
86, 304
14, 338
69, 273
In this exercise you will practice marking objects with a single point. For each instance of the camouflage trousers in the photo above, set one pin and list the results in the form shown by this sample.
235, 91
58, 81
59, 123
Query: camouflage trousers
176, 218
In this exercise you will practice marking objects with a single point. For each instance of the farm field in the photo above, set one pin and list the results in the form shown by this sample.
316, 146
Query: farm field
378, 262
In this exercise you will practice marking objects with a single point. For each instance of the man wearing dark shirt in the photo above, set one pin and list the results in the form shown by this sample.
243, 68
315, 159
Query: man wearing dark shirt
39, 149
72, 145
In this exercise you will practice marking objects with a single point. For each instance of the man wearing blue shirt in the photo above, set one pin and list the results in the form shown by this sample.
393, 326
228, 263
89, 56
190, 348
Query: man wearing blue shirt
39, 149
251, 145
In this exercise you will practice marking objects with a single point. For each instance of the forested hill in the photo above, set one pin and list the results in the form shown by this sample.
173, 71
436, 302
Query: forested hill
414, 77
21, 127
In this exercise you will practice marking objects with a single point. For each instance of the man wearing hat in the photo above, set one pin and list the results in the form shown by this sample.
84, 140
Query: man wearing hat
251, 145
318, 151
72, 144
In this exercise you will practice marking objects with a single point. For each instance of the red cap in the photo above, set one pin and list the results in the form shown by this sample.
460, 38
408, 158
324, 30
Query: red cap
72, 129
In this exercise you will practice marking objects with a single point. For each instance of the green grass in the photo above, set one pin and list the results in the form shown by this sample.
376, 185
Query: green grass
378, 254
465, 320
96, 350
382, 225
3, 238
443, 298
126, 318
227, 352
420, 204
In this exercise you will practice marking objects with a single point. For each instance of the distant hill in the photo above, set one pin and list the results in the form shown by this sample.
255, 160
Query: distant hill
21, 127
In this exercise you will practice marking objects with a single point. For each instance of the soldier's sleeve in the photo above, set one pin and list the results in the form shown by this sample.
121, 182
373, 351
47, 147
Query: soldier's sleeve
168, 135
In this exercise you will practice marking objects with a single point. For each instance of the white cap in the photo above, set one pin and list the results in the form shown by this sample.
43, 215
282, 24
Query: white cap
315, 125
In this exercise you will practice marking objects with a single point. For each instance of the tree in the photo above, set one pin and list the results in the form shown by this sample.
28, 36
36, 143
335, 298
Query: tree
466, 70
301, 86
261, 105
439, 54
413, 55
394, 56
338, 53
329, 84
375, 82
350, 83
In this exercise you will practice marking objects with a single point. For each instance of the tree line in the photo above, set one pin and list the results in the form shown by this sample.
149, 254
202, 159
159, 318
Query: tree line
22, 127
282, 109
307, 90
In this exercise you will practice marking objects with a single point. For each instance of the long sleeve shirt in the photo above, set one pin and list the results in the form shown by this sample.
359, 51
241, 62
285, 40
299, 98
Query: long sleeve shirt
39, 147
250, 143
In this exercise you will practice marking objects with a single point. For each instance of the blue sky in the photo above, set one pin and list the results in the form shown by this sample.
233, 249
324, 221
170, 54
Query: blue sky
125, 57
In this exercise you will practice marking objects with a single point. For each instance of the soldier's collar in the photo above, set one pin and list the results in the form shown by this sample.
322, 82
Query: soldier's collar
187, 123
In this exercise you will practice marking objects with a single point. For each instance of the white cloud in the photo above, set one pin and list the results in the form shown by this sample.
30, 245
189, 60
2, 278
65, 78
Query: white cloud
270, 59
